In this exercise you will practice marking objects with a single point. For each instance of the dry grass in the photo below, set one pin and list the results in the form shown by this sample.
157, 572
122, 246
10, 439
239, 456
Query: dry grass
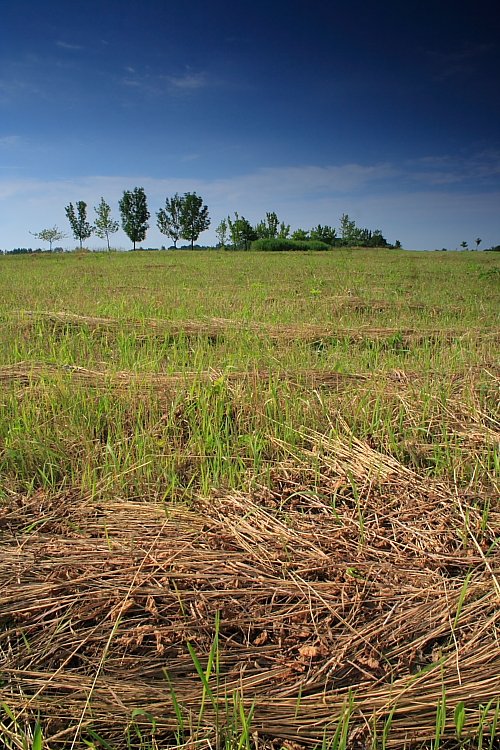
32, 372
355, 578
216, 327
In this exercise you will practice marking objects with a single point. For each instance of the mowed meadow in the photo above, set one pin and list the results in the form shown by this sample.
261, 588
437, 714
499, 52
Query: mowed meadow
250, 500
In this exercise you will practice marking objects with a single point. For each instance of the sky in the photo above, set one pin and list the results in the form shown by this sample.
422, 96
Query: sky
386, 110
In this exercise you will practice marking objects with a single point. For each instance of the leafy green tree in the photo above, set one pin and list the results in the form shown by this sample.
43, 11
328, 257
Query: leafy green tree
284, 231
49, 235
271, 228
324, 234
168, 219
301, 235
349, 232
135, 214
81, 228
242, 232
222, 232
364, 238
268, 229
369, 238
377, 239
478, 241
194, 217
104, 224
464, 245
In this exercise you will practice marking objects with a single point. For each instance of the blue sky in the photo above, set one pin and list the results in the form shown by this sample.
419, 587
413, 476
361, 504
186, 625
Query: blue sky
388, 111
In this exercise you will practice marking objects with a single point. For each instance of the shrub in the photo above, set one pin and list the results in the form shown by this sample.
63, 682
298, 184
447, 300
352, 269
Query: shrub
278, 245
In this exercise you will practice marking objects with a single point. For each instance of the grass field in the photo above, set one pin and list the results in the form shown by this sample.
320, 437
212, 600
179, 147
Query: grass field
250, 500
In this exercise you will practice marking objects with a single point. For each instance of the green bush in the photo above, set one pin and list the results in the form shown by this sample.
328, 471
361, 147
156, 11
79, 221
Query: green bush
278, 245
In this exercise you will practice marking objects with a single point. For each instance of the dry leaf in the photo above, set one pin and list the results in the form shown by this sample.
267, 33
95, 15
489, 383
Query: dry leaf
261, 639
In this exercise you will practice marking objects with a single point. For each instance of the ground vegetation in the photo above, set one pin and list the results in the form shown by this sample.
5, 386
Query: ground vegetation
249, 500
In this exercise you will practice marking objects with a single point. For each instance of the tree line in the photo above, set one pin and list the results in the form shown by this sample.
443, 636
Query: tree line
183, 216
186, 217
239, 233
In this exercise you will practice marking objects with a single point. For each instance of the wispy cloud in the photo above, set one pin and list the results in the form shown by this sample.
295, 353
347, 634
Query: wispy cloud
188, 81
140, 80
68, 46
481, 167
190, 157
16, 85
32, 76
133, 82
9, 141
157, 84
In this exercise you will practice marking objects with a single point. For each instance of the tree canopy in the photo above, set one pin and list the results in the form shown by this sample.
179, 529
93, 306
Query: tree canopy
81, 228
242, 232
135, 214
169, 219
49, 235
194, 218
104, 224
271, 228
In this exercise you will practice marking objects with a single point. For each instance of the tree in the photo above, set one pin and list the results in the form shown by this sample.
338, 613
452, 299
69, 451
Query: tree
365, 238
135, 214
222, 232
104, 224
268, 229
78, 220
464, 245
194, 217
284, 231
271, 228
50, 235
348, 230
301, 235
324, 234
168, 219
377, 239
478, 242
242, 232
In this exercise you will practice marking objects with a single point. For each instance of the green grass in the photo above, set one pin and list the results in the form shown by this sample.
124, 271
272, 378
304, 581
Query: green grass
441, 420
288, 288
